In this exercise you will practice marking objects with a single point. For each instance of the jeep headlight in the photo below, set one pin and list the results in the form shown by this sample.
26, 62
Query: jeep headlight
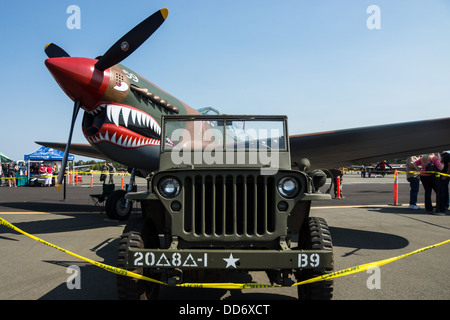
288, 187
169, 187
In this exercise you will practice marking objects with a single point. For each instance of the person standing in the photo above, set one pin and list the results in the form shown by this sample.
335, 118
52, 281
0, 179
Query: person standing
55, 173
413, 177
429, 164
48, 179
443, 183
12, 175
16, 174
363, 171
5, 173
382, 167
112, 170
23, 172
34, 169
42, 170
335, 173
104, 172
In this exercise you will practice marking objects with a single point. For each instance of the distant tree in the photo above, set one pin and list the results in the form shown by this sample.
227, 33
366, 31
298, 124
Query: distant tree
99, 164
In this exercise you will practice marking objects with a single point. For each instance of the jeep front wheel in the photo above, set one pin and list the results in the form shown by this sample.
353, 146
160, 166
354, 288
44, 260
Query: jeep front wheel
315, 235
139, 233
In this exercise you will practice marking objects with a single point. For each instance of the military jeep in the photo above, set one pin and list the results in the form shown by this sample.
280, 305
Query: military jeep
226, 200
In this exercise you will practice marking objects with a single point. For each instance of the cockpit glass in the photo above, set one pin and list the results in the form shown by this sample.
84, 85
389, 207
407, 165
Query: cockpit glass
227, 134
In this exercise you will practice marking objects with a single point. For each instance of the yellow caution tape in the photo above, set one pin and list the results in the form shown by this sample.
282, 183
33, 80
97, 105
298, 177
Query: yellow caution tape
81, 173
98, 264
88, 173
366, 266
437, 173
228, 286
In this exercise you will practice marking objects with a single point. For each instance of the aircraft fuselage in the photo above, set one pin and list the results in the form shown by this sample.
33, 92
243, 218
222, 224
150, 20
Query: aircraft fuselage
123, 110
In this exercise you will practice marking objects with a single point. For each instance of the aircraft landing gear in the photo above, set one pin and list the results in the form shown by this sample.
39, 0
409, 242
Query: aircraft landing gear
117, 207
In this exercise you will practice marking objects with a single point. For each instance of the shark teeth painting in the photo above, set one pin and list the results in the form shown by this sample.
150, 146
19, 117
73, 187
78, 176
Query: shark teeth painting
121, 125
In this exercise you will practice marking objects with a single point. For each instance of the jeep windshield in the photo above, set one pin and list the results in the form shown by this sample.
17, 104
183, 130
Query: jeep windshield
225, 141
222, 133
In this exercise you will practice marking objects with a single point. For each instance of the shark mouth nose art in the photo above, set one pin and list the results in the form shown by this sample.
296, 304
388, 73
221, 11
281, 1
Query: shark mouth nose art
121, 125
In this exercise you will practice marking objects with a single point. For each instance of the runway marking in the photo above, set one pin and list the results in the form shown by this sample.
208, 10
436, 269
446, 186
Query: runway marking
24, 212
368, 206
43, 213
355, 206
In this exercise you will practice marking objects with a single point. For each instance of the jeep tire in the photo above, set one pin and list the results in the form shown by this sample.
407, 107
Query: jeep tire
141, 233
315, 235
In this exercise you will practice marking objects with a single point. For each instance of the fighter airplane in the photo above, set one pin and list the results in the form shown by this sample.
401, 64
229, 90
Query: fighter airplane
122, 115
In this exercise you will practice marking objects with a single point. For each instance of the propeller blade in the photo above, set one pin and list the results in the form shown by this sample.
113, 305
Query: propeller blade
54, 51
62, 173
132, 40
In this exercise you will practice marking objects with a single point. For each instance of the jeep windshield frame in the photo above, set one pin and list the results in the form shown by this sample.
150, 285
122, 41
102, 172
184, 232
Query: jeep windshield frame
223, 141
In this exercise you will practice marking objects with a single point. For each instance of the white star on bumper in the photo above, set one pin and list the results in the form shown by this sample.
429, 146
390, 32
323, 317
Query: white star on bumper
231, 261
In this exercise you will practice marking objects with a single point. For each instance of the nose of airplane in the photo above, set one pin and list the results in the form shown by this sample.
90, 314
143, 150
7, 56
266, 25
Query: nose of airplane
79, 79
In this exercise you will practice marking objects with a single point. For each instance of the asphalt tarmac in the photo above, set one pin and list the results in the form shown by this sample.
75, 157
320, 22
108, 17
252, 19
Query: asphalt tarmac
364, 225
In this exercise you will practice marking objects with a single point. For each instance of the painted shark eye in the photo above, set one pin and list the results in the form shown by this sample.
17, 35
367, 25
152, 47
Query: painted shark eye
122, 86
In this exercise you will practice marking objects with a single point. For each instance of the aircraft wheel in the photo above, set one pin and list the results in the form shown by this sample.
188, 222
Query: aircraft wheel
116, 206
315, 235
141, 233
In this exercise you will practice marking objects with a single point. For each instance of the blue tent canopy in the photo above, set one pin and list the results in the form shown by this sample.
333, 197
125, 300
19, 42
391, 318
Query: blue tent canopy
45, 153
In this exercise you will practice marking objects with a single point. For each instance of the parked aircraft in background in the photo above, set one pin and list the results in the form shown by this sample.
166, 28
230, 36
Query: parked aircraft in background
122, 115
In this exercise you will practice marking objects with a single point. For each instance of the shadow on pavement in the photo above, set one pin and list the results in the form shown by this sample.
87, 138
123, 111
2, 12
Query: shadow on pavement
361, 239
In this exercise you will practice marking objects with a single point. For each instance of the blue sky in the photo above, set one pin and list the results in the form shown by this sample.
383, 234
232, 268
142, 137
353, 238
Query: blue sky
314, 61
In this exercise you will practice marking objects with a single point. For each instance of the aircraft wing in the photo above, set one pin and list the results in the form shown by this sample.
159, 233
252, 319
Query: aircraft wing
334, 149
85, 150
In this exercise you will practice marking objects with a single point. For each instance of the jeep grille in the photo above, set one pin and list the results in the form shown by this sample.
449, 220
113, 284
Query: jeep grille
224, 205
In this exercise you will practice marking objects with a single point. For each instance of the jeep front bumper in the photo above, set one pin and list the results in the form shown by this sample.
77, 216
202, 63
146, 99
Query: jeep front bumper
230, 259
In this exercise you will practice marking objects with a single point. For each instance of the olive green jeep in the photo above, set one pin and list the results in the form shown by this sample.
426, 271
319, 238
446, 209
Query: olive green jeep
225, 200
